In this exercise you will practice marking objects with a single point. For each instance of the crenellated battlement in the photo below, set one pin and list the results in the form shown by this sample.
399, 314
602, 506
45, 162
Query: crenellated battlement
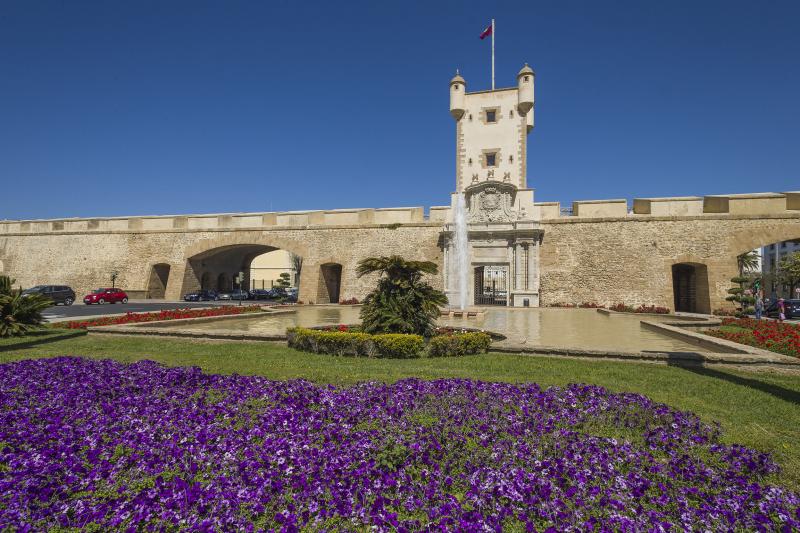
766, 203
682, 206
219, 221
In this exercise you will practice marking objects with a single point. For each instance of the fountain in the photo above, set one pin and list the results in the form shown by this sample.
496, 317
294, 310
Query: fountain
461, 250
460, 264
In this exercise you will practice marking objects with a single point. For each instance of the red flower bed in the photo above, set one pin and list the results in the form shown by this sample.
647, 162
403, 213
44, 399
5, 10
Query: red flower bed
167, 314
768, 334
652, 309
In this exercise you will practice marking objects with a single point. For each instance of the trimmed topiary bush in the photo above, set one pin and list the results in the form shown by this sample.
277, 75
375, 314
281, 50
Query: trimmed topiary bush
459, 344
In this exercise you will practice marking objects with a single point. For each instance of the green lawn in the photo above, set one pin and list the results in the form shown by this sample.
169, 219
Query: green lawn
760, 410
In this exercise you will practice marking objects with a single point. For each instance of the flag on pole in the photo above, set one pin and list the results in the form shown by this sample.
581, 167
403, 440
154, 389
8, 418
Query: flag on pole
487, 32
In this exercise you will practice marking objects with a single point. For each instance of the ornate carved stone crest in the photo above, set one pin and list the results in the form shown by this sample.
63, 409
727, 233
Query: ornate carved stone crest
491, 201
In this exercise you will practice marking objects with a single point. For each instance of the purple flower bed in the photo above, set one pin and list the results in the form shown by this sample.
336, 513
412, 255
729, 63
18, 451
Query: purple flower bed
102, 445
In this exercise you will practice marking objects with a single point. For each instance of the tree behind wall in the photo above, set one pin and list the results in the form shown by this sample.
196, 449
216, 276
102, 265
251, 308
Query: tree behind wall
788, 273
297, 264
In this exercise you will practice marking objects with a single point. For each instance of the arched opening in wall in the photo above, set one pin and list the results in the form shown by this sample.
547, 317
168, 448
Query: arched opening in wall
157, 284
330, 281
690, 288
217, 268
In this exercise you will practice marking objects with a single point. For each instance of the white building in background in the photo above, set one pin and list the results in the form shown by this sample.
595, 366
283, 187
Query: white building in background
268, 267
771, 256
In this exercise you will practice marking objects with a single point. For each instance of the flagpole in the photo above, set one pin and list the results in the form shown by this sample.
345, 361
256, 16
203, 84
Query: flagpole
493, 54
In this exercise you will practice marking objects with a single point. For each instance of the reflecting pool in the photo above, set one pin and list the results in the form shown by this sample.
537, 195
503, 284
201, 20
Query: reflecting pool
567, 328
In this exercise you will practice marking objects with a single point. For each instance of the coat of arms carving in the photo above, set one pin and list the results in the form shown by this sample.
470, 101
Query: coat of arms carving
491, 202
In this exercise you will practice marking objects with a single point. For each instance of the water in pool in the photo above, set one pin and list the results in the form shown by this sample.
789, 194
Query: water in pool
572, 328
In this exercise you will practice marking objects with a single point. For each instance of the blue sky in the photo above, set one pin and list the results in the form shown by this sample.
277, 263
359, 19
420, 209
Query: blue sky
120, 108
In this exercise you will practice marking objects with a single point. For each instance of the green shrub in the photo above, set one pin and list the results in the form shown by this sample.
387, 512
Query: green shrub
459, 344
399, 346
19, 314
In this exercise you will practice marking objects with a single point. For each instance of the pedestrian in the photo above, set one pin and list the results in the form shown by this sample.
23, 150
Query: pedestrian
759, 306
781, 310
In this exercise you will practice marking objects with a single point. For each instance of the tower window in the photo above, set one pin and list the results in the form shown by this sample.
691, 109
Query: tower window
511, 114
511, 159
526, 78
491, 159
491, 116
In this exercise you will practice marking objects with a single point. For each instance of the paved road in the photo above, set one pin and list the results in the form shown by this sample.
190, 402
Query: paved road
79, 309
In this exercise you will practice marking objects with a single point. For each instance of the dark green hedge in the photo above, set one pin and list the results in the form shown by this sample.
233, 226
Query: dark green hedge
389, 345
459, 344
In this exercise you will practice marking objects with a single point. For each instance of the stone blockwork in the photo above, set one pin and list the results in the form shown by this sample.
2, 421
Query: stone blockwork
626, 258
629, 259
85, 260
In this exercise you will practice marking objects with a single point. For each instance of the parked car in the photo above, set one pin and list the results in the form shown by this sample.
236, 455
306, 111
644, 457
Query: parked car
276, 293
106, 296
236, 294
201, 296
260, 294
792, 308
291, 295
60, 294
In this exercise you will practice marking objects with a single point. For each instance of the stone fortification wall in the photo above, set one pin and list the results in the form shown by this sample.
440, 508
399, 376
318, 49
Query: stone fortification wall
85, 259
599, 254
613, 260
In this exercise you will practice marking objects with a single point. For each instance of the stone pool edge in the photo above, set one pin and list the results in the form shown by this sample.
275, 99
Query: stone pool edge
731, 353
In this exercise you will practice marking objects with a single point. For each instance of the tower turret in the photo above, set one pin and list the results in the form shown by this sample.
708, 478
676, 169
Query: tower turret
525, 90
458, 87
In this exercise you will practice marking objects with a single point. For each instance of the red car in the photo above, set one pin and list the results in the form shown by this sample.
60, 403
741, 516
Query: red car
106, 296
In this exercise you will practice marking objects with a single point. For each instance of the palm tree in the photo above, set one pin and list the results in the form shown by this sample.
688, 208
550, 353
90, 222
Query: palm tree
748, 261
19, 313
402, 302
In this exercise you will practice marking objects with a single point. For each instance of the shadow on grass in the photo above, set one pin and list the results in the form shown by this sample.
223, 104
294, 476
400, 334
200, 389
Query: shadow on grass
41, 337
777, 391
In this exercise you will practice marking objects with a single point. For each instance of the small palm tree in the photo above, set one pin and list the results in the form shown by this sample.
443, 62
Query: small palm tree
402, 302
19, 313
748, 261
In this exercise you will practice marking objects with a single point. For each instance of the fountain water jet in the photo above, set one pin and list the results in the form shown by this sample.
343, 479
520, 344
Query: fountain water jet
461, 250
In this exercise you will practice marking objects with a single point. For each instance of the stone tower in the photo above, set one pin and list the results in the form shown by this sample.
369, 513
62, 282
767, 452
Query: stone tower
491, 131
504, 235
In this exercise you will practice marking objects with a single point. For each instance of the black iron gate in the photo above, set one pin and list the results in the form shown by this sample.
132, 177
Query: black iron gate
491, 285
